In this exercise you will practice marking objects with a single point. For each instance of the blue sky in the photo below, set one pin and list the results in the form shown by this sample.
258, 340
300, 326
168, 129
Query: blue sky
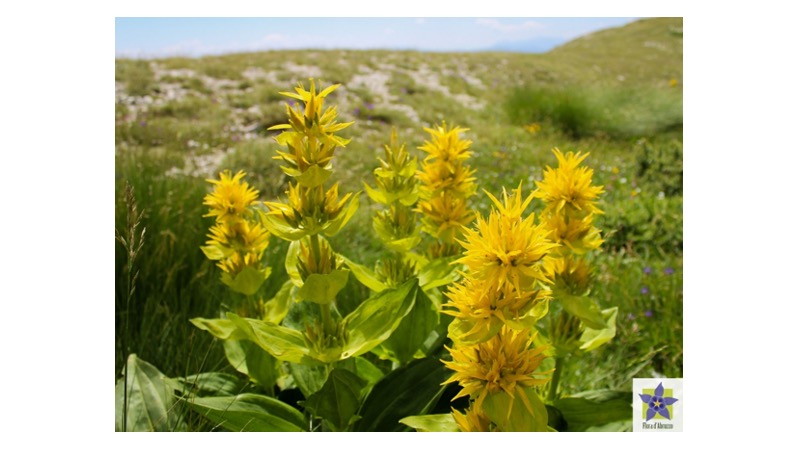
156, 37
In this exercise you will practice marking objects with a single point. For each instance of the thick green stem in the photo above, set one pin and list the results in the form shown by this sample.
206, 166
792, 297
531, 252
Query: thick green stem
327, 320
315, 249
556, 379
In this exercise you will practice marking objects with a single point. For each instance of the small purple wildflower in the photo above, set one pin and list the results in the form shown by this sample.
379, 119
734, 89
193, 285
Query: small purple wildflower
142, 123
370, 106
631, 316
648, 270
645, 290
357, 111
669, 271
648, 313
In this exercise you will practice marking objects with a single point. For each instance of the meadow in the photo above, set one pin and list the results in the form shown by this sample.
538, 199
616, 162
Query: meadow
615, 94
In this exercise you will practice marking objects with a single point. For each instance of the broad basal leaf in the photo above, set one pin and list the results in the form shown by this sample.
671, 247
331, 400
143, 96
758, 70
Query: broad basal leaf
212, 384
338, 400
250, 359
413, 330
408, 391
248, 412
150, 403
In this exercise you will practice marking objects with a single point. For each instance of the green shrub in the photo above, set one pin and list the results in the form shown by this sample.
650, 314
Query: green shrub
136, 74
582, 112
660, 166
644, 224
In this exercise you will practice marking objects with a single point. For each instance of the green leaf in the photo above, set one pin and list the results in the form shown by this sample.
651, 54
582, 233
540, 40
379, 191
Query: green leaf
250, 359
219, 328
212, 383
365, 276
376, 194
248, 412
278, 226
403, 245
338, 400
408, 391
150, 403
277, 307
595, 408
413, 330
367, 371
300, 315
512, 414
283, 343
322, 288
309, 379
409, 197
334, 226
377, 317
583, 308
432, 422
591, 339
291, 264
465, 333
247, 281
314, 176
438, 272
216, 252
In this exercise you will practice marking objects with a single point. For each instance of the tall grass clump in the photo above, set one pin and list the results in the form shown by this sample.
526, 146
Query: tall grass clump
171, 286
585, 112
136, 74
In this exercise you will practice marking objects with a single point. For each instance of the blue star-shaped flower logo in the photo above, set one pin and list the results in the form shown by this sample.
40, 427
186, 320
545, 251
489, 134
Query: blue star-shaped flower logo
657, 403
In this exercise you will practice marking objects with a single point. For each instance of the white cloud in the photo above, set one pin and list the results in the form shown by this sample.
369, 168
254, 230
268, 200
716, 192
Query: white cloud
528, 25
275, 38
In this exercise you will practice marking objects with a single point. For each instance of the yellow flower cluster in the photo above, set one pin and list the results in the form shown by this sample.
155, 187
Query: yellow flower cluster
496, 305
310, 209
447, 183
237, 241
396, 224
473, 420
570, 204
396, 188
508, 362
309, 136
505, 256
570, 208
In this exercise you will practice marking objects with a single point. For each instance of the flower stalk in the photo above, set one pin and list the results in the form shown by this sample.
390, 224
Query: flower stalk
310, 209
